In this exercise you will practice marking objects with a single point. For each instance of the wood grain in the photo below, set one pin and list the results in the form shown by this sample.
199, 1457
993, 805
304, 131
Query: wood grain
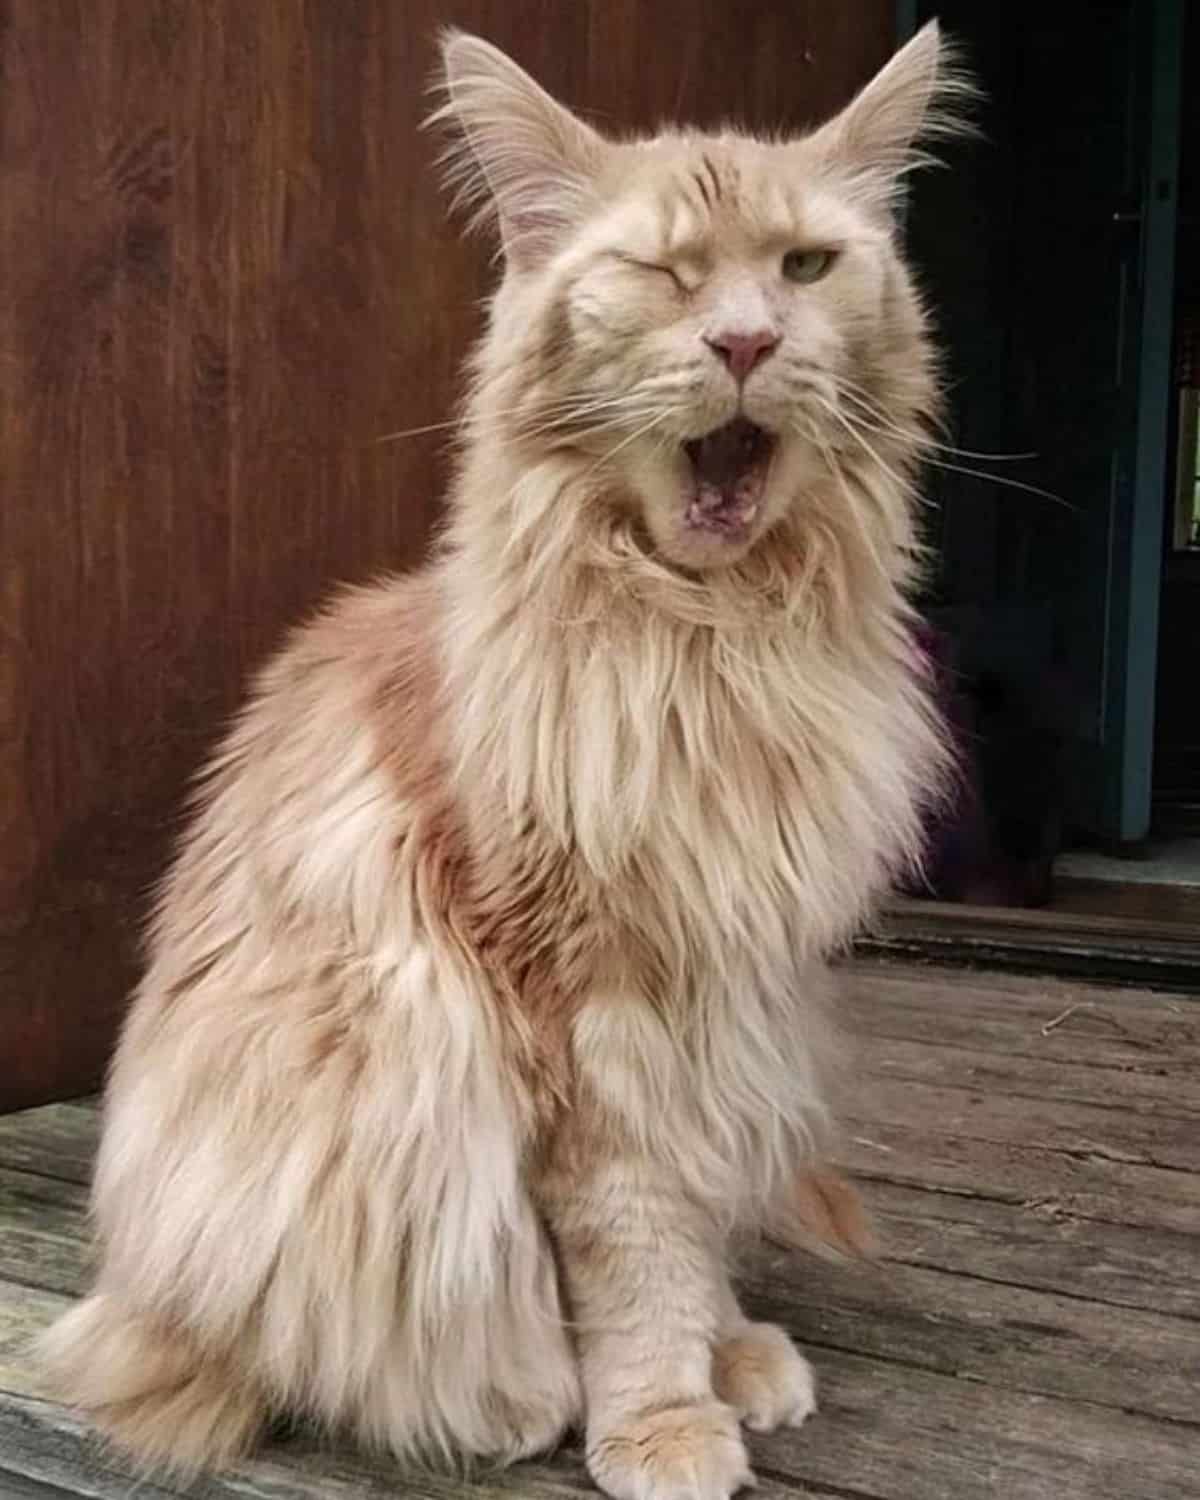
1030, 1330
975, 1328
1098, 949
43, 1233
1085, 1131
24, 1312
889, 1430
1052, 1183
17, 1487
57, 1141
1141, 900
1106, 1023
894, 1432
1156, 1091
228, 274
1037, 1247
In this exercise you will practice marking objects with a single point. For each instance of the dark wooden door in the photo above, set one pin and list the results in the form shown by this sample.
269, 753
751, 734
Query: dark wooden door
225, 274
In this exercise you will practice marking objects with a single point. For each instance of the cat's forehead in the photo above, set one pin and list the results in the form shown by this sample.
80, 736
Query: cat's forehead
680, 195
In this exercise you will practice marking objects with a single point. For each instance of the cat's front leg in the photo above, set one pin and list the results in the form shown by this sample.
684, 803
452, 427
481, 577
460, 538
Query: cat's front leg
760, 1372
645, 1281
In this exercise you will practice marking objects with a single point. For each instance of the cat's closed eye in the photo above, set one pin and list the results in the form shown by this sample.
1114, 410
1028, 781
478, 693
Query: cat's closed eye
808, 265
655, 267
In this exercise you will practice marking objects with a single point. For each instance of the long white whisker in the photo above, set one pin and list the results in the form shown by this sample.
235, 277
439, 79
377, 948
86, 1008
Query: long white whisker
855, 432
941, 463
1005, 482
625, 442
857, 395
407, 432
557, 413
622, 414
995, 458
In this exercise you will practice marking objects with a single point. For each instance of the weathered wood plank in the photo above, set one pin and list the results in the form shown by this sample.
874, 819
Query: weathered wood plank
894, 975
46, 1444
948, 1326
57, 1140
17, 1487
1070, 1023
43, 1231
892, 1431
1006, 1336
1006, 1012
958, 1025
1055, 1125
1107, 1263
1033, 1334
1149, 1087
53, 1447
24, 1312
1048, 1182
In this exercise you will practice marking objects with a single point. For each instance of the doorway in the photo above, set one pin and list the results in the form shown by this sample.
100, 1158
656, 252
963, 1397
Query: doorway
1065, 617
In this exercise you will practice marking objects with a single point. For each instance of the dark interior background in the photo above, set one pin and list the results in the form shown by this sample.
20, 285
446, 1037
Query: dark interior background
1177, 716
1029, 246
227, 273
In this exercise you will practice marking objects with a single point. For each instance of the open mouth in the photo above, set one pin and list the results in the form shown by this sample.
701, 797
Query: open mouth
729, 476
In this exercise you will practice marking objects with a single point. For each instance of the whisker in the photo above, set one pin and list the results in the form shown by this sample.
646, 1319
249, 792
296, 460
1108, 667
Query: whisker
558, 413
1005, 482
855, 432
940, 463
625, 442
923, 439
995, 458
923, 422
620, 419
407, 432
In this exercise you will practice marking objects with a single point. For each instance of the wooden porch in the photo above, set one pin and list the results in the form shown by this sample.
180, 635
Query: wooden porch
1031, 1151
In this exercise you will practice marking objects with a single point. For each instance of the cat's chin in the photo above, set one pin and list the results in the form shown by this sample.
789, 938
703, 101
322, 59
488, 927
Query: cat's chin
700, 550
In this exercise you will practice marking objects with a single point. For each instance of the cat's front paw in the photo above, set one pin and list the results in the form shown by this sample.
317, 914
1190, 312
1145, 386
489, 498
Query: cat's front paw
764, 1377
690, 1452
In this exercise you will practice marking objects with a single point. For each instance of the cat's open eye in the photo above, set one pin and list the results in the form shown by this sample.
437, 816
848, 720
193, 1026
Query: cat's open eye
808, 265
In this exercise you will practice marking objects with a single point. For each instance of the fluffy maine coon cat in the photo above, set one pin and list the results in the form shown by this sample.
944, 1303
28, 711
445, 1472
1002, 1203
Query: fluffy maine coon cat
486, 994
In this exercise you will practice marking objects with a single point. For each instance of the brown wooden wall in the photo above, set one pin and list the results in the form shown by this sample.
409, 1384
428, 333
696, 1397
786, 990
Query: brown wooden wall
225, 272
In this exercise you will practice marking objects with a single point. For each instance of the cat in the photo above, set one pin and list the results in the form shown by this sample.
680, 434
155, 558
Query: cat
488, 993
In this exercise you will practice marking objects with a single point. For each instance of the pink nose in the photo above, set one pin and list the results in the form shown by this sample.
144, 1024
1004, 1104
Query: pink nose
742, 351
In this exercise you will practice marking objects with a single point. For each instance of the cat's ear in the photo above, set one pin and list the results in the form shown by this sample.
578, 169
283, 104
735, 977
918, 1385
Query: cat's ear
518, 158
921, 96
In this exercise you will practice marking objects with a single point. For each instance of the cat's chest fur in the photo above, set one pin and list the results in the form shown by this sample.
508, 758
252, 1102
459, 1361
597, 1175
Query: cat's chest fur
731, 800
701, 1034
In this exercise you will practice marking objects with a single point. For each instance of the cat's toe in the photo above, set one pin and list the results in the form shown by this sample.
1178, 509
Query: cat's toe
764, 1377
692, 1452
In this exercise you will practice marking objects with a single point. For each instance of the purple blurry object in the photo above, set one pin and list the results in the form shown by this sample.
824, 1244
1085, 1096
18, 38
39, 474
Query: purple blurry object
977, 852
956, 832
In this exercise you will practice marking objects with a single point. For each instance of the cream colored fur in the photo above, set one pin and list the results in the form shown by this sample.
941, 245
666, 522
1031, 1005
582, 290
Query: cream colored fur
486, 995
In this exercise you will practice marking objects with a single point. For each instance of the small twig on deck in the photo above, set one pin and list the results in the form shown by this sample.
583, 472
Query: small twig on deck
1070, 1011
861, 1140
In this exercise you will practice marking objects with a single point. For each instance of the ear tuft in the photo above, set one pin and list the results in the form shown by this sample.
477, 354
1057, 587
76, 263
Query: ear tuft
921, 96
516, 158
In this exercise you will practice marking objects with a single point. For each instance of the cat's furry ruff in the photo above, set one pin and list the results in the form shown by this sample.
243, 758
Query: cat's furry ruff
486, 993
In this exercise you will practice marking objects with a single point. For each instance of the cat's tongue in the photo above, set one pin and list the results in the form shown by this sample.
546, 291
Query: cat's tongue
729, 474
